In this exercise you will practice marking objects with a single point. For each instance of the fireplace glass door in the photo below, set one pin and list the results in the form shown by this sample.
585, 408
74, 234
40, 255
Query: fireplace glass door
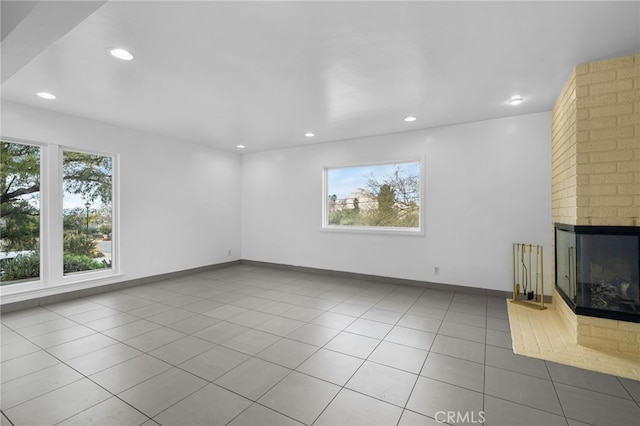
598, 270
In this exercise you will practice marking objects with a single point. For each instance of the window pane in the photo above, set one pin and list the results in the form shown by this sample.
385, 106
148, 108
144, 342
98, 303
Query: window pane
19, 213
87, 211
383, 195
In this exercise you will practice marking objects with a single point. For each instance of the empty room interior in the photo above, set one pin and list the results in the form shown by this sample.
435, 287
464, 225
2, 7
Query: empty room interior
320, 213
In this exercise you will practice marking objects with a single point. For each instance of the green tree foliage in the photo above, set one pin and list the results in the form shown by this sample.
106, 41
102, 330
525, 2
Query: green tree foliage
80, 245
74, 263
395, 200
19, 196
398, 196
21, 268
88, 175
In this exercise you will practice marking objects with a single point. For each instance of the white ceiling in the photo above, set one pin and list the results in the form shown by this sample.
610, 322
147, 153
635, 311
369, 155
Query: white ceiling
262, 74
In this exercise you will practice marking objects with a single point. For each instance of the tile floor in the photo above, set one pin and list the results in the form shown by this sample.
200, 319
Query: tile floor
249, 345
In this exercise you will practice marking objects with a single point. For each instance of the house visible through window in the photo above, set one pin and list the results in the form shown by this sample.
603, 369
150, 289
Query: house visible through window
378, 196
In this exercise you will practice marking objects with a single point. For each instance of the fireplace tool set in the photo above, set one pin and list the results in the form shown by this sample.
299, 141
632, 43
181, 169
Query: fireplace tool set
528, 275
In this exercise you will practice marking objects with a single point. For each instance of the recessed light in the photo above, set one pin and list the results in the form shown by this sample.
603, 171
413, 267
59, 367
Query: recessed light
121, 54
46, 95
516, 100
309, 134
410, 118
240, 146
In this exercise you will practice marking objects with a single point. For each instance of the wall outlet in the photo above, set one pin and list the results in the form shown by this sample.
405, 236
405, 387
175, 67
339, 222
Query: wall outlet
229, 254
436, 270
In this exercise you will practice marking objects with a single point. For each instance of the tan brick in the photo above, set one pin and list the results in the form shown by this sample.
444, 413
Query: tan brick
610, 87
595, 77
611, 178
630, 326
610, 156
613, 334
597, 101
623, 61
608, 221
598, 343
630, 188
614, 201
582, 136
629, 96
580, 69
612, 133
583, 158
597, 168
603, 145
583, 114
597, 123
605, 212
629, 348
584, 329
633, 143
629, 119
628, 166
629, 71
598, 322
583, 91
628, 212
610, 110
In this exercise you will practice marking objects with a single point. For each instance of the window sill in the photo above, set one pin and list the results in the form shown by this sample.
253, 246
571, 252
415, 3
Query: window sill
410, 232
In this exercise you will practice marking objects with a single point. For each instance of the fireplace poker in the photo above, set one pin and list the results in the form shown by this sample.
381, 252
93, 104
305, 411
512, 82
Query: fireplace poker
524, 271
537, 267
516, 285
530, 293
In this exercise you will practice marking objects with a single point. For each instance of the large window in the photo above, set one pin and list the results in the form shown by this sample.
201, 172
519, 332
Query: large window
56, 215
87, 211
19, 212
384, 197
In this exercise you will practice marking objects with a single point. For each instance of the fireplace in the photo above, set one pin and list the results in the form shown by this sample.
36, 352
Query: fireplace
598, 270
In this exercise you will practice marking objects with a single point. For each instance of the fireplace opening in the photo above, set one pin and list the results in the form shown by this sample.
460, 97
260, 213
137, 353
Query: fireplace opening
598, 270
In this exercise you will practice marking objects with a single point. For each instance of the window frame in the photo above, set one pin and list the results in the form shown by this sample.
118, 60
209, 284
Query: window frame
89, 275
379, 230
51, 225
28, 284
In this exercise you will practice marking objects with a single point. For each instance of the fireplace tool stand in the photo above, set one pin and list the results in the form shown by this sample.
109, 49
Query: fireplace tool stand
528, 275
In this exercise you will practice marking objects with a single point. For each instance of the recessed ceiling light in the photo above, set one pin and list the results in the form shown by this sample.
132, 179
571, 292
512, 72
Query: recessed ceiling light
121, 54
46, 95
240, 146
410, 118
516, 100
309, 134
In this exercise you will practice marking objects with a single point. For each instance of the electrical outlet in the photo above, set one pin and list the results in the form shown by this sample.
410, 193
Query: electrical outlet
229, 254
436, 270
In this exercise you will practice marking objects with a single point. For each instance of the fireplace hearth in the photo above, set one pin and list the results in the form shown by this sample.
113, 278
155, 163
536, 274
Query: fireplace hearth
598, 270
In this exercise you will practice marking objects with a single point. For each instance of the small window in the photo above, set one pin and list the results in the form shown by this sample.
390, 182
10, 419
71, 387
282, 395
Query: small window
87, 211
19, 213
373, 197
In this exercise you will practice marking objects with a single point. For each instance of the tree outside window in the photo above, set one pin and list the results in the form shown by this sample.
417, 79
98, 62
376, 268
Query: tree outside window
87, 184
374, 196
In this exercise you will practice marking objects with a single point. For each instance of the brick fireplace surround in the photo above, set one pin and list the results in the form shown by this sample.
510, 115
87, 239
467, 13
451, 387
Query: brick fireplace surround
595, 136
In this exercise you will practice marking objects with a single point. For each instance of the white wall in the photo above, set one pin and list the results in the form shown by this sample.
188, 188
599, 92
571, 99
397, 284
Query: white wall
179, 201
488, 185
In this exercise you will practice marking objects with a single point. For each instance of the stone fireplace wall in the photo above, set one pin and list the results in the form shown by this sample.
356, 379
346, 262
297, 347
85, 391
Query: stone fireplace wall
595, 135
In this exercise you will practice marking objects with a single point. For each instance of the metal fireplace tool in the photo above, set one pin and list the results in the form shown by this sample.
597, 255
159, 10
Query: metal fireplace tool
528, 271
